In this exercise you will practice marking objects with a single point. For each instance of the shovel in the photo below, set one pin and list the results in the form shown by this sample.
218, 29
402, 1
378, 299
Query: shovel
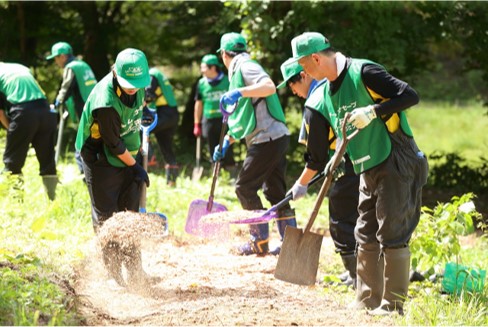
146, 130
299, 257
271, 212
198, 170
200, 208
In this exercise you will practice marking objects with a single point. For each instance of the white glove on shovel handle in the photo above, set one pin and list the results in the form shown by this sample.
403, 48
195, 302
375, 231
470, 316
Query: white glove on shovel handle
361, 117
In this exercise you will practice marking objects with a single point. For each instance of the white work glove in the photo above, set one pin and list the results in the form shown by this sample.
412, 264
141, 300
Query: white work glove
361, 117
298, 190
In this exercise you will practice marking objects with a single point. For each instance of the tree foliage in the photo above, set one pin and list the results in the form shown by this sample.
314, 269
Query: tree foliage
409, 38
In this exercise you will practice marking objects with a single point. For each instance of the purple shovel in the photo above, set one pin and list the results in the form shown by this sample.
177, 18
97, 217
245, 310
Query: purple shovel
200, 208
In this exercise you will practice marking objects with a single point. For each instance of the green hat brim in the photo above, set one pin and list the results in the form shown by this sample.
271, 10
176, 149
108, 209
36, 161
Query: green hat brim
138, 83
281, 85
50, 57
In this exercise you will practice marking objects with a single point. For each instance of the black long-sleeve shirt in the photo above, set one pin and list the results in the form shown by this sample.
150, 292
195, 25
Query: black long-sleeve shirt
399, 94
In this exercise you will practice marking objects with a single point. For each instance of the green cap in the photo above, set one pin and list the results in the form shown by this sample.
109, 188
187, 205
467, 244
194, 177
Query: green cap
308, 43
211, 59
232, 42
289, 69
132, 69
59, 49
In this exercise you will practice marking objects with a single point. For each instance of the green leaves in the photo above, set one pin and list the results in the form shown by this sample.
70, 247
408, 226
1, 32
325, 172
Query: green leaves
436, 239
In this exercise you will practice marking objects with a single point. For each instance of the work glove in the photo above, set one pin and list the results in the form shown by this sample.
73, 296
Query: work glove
298, 190
197, 129
140, 174
56, 103
231, 97
219, 155
361, 117
338, 172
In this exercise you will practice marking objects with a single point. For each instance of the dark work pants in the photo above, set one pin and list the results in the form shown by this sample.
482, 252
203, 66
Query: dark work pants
112, 189
391, 196
264, 167
211, 129
343, 210
165, 131
31, 123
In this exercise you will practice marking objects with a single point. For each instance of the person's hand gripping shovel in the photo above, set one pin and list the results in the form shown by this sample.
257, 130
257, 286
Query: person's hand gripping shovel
149, 122
299, 257
200, 208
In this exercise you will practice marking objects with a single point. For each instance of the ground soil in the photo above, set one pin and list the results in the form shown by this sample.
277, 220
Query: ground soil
198, 281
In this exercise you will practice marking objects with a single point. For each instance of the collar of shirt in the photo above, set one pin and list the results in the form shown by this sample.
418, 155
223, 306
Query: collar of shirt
340, 62
235, 62
314, 85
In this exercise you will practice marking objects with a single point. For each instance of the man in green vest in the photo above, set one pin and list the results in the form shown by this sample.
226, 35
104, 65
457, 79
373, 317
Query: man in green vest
344, 193
391, 167
108, 139
25, 113
259, 119
78, 81
208, 118
160, 96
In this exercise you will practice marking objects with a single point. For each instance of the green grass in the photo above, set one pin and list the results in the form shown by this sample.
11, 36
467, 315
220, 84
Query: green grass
450, 129
41, 241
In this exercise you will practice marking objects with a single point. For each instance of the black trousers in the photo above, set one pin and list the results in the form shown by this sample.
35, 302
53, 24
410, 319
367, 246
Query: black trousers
112, 189
31, 123
343, 210
165, 131
211, 129
264, 167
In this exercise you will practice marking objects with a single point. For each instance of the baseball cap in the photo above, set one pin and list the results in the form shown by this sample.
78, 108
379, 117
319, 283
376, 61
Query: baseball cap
232, 42
59, 49
211, 59
132, 69
289, 69
308, 43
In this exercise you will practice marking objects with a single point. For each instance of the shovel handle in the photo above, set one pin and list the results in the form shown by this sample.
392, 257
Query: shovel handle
198, 150
216, 166
289, 197
336, 158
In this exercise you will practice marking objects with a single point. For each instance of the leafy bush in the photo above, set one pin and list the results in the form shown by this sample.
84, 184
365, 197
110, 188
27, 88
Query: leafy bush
436, 239
450, 171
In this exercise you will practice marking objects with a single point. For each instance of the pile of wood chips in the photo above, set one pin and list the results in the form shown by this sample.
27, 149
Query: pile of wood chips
131, 228
230, 216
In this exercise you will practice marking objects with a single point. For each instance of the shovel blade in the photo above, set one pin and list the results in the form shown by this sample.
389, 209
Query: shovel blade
194, 226
298, 261
197, 174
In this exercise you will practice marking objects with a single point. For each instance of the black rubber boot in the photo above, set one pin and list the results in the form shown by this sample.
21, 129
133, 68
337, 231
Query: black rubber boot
50, 182
113, 258
137, 278
369, 272
397, 273
350, 263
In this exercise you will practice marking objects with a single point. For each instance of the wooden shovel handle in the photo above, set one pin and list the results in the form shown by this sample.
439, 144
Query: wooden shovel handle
336, 158
216, 166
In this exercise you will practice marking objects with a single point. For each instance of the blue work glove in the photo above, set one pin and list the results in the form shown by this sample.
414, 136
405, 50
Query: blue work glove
140, 174
219, 155
298, 190
361, 117
56, 103
338, 172
231, 97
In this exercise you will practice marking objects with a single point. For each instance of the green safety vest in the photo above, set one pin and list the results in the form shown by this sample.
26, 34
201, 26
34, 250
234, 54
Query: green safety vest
372, 145
84, 77
18, 84
211, 95
317, 101
242, 122
164, 92
103, 96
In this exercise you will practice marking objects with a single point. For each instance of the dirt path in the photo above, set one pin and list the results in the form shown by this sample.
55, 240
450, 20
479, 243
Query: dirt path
199, 282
